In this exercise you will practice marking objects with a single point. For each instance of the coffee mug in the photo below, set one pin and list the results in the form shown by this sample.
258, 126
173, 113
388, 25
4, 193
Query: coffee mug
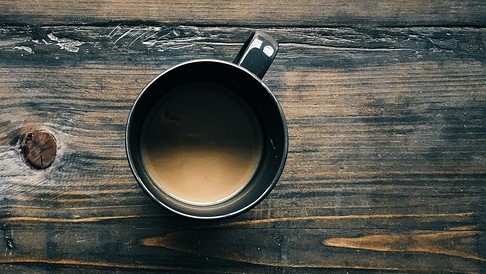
207, 139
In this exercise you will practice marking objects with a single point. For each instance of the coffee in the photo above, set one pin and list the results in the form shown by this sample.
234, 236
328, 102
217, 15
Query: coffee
201, 143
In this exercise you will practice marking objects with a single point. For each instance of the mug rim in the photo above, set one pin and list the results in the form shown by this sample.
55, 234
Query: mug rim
245, 208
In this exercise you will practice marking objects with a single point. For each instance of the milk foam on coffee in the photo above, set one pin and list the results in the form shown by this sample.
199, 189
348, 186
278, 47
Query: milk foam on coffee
201, 143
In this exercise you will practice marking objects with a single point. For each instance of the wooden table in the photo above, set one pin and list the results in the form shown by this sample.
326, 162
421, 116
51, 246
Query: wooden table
386, 107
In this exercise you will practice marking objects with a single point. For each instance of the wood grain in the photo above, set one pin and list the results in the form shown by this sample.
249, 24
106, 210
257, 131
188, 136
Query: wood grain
386, 169
252, 12
275, 244
270, 13
451, 243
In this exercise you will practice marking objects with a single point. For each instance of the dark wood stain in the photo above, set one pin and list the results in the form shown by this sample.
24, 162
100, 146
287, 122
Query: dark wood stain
386, 108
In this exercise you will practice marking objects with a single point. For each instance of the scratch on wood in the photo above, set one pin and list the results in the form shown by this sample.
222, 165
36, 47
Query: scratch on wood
138, 36
114, 31
66, 43
452, 243
123, 35
25, 48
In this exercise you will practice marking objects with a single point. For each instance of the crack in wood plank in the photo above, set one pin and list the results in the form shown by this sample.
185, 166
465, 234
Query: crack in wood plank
83, 263
341, 217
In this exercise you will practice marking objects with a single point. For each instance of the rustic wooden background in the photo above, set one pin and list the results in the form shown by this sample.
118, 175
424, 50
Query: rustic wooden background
386, 107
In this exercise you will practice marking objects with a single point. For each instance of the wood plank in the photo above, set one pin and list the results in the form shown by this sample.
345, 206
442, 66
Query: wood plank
253, 12
297, 243
387, 149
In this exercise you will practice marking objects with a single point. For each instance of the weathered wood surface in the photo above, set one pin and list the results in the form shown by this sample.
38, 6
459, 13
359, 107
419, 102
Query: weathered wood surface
250, 12
387, 162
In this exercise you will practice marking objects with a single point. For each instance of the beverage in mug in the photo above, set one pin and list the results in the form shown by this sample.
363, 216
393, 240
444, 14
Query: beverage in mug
201, 143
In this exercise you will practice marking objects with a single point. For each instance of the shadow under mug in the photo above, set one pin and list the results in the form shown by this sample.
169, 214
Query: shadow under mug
243, 79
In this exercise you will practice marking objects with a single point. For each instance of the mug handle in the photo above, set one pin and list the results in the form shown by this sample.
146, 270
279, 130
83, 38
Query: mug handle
257, 53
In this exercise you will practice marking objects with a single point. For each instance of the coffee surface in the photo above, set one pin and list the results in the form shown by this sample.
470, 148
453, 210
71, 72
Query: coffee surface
201, 143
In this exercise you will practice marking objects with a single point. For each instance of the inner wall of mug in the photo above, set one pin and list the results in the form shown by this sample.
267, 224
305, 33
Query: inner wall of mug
257, 96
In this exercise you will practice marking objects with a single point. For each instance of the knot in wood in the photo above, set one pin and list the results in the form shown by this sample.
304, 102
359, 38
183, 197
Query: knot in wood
39, 149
